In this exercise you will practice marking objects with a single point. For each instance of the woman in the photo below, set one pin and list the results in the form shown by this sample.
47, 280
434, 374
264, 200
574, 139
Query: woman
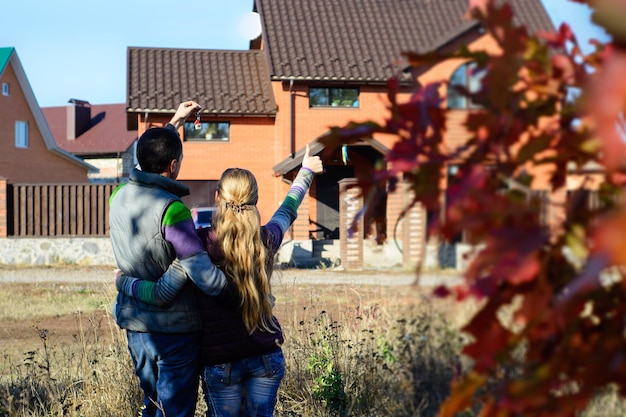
242, 358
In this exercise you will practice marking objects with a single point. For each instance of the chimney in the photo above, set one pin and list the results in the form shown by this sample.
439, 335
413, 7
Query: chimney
78, 118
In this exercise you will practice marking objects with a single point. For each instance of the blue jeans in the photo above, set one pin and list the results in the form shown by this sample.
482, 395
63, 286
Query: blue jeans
168, 368
247, 387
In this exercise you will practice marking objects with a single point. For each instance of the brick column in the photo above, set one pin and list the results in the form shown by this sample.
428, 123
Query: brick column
350, 202
4, 214
413, 231
301, 225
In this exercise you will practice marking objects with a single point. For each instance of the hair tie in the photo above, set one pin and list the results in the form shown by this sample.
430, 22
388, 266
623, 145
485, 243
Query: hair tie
238, 208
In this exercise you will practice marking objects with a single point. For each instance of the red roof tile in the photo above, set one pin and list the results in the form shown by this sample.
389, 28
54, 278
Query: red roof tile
107, 134
359, 40
223, 82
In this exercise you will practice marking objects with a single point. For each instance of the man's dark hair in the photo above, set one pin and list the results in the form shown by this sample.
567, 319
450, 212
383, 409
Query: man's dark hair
156, 148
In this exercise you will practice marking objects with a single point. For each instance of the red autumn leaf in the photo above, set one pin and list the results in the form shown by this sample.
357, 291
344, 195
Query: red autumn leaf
609, 238
607, 93
403, 156
538, 260
560, 38
491, 338
462, 394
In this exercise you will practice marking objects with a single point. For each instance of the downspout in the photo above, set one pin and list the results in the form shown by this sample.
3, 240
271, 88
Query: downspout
292, 142
292, 121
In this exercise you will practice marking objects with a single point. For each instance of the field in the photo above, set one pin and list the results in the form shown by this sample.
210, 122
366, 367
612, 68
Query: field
351, 350
64, 310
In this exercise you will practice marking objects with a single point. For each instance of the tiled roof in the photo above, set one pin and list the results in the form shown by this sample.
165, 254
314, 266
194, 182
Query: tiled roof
292, 162
223, 82
359, 40
107, 135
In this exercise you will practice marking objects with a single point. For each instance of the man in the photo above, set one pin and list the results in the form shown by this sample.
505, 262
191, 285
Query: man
151, 227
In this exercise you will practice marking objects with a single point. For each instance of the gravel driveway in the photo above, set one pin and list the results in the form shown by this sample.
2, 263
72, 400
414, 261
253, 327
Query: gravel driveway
287, 276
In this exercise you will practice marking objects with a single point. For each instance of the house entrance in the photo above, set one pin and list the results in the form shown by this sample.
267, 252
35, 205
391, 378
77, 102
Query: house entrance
327, 194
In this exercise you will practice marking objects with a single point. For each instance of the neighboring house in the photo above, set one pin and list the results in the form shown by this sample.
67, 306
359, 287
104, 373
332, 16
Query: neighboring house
29, 153
97, 134
317, 64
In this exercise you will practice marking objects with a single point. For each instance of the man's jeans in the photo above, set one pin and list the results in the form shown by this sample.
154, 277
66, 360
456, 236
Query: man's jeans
168, 369
251, 383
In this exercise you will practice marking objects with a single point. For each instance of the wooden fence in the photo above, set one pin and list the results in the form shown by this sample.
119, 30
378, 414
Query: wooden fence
35, 210
63, 210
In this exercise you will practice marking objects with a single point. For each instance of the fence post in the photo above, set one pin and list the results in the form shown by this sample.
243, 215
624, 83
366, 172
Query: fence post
350, 203
4, 214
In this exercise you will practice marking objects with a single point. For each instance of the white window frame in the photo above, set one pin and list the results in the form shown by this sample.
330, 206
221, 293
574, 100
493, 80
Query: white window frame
21, 134
204, 129
327, 93
5, 89
470, 76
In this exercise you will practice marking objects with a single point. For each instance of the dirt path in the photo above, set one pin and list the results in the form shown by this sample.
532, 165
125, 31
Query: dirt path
322, 288
287, 276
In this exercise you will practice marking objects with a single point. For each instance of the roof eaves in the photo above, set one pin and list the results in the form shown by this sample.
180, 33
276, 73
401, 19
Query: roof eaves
451, 37
204, 112
355, 80
293, 161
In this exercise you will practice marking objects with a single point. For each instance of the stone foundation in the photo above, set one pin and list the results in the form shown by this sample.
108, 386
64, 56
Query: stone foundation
295, 254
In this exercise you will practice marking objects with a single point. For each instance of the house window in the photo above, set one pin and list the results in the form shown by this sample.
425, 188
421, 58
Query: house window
333, 97
21, 134
468, 76
213, 131
5, 89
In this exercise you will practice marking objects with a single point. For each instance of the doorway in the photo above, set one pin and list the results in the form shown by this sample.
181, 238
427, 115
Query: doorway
327, 194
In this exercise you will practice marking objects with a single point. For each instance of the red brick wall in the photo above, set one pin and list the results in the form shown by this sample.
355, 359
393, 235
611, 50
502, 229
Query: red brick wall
310, 123
250, 146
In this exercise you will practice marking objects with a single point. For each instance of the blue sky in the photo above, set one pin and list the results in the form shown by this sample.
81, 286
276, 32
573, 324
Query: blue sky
77, 48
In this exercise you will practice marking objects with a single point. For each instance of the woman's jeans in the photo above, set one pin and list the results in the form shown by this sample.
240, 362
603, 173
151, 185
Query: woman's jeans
247, 387
168, 367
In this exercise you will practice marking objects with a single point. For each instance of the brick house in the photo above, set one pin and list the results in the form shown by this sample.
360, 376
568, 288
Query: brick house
237, 119
97, 134
317, 64
26, 140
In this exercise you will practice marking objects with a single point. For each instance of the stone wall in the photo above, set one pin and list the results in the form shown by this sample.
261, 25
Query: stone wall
302, 254
55, 251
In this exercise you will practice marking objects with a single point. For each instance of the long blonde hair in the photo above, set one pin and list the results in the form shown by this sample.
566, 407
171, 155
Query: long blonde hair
247, 262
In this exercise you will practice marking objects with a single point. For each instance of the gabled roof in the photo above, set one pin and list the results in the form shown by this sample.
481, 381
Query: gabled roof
361, 40
294, 161
5, 55
223, 82
10, 56
107, 134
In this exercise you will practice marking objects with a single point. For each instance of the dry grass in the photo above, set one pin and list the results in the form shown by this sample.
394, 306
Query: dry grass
350, 351
23, 301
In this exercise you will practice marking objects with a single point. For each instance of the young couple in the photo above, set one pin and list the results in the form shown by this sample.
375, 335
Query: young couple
221, 325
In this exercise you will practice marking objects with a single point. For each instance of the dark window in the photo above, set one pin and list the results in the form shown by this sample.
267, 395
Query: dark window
207, 131
333, 97
470, 77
